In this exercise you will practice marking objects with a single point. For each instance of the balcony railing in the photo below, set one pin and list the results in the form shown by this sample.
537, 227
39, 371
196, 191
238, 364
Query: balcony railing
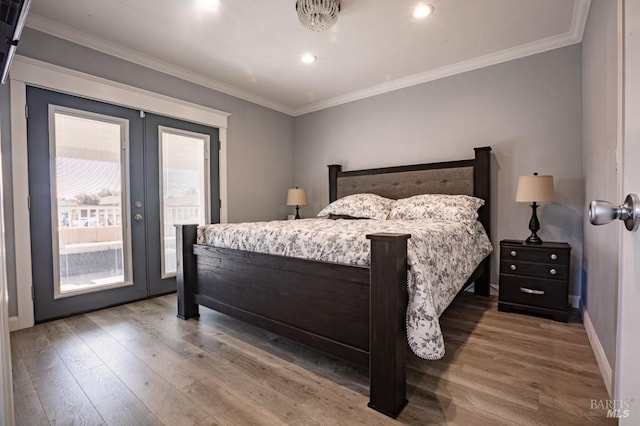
110, 216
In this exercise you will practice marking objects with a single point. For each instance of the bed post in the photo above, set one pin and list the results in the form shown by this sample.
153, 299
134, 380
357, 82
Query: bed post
482, 189
388, 298
334, 169
186, 275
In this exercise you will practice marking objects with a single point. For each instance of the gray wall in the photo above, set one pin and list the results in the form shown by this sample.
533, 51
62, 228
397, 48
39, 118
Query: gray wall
600, 145
528, 110
260, 140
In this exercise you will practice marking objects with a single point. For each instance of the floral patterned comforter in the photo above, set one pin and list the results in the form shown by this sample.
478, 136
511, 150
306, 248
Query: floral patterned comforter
441, 257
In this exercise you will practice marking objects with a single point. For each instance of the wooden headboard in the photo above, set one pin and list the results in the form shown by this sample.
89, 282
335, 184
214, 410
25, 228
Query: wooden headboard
468, 177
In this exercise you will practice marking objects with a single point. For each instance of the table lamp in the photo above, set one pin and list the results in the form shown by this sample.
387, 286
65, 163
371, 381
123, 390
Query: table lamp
296, 197
535, 189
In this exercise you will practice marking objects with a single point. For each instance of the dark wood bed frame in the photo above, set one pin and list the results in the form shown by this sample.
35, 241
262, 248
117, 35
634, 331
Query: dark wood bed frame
356, 313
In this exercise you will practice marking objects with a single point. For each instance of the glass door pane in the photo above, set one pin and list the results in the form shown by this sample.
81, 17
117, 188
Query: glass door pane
184, 187
89, 187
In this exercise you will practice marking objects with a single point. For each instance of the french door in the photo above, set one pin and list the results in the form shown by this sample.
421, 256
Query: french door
106, 186
182, 186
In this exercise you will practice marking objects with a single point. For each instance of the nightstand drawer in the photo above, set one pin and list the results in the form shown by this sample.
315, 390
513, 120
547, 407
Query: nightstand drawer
540, 270
529, 254
533, 291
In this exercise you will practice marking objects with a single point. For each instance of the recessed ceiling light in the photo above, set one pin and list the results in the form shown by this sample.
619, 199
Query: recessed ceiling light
308, 58
208, 5
423, 10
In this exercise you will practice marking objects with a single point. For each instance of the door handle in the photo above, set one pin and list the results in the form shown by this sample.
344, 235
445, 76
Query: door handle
138, 217
603, 212
530, 291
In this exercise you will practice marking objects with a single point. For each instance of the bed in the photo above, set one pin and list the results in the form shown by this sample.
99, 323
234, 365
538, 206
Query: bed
357, 313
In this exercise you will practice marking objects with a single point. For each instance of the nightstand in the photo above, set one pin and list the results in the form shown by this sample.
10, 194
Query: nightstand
535, 278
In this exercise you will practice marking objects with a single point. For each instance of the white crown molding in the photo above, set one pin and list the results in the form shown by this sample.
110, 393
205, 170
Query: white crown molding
578, 22
573, 36
579, 18
64, 32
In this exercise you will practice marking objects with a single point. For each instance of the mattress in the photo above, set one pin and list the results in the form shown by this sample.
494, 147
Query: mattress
441, 257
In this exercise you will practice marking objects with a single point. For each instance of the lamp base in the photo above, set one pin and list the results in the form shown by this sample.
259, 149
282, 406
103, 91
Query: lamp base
297, 212
533, 239
534, 226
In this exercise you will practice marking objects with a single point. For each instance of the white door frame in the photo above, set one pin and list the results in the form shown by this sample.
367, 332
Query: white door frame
627, 389
26, 71
6, 379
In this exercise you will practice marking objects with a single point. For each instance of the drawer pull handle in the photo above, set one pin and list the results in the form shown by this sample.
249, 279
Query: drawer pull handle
514, 253
554, 256
553, 272
530, 291
513, 267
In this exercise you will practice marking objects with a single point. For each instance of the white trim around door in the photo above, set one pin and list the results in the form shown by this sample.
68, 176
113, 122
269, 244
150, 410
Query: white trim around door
6, 379
626, 402
27, 71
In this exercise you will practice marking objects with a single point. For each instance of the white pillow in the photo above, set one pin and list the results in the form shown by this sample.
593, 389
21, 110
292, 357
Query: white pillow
437, 208
366, 206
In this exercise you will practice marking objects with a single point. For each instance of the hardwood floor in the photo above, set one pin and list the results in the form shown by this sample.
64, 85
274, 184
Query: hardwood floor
138, 364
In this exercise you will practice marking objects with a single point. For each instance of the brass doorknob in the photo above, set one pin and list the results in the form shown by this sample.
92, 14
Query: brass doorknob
138, 217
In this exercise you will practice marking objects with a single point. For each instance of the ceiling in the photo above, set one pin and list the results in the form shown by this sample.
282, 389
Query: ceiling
252, 48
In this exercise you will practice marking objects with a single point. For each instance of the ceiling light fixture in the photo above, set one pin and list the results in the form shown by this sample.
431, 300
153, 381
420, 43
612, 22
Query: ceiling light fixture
423, 10
208, 5
318, 15
308, 58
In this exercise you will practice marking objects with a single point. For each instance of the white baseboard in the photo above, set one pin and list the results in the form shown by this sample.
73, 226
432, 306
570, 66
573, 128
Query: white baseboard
598, 351
575, 301
14, 323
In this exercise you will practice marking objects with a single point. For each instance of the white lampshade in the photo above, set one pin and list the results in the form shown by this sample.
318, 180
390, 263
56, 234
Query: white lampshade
535, 189
296, 197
